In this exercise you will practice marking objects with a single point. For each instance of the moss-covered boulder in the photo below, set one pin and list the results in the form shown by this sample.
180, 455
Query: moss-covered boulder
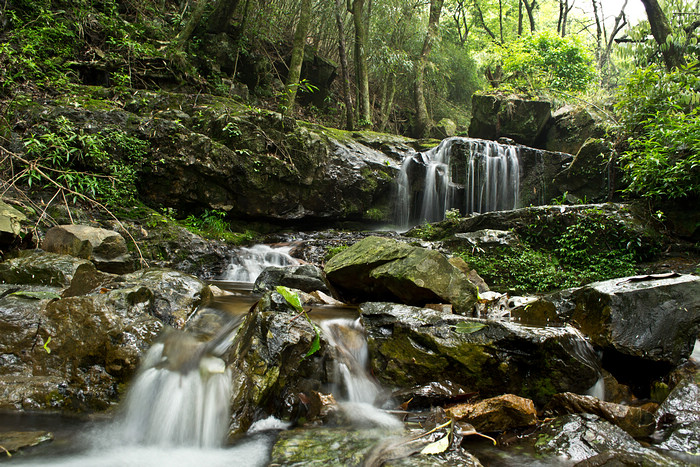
411, 346
384, 269
496, 116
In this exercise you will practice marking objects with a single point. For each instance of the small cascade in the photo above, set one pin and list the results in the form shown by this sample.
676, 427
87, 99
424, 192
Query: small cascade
251, 261
358, 392
485, 177
181, 394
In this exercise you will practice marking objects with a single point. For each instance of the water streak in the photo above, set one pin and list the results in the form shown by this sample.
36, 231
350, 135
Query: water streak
251, 261
490, 182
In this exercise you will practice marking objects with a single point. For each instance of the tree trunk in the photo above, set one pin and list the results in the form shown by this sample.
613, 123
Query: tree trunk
361, 72
620, 22
564, 10
388, 102
220, 17
500, 18
530, 9
292, 85
344, 70
422, 121
192, 23
520, 18
483, 22
661, 30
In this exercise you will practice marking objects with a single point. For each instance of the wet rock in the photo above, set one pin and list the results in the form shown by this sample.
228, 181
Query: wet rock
484, 239
471, 274
13, 441
519, 119
634, 420
412, 346
577, 438
678, 418
272, 374
74, 276
433, 394
367, 448
570, 128
106, 248
443, 129
383, 269
497, 413
640, 322
307, 278
586, 178
174, 295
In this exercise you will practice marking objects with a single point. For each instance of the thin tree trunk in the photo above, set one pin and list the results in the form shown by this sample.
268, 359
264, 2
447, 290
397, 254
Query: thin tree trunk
620, 22
388, 103
483, 23
220, 17
361, 72
530, 9
500, 18
344, 70
192, 22
422, 121
520, 18
292, 85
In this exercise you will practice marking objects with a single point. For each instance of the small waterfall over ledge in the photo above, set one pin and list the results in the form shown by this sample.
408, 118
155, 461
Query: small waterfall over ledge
251, 261
470, 175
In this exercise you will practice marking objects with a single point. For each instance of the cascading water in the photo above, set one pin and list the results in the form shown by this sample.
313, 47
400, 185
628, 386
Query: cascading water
358, 392
489, 180
250, 262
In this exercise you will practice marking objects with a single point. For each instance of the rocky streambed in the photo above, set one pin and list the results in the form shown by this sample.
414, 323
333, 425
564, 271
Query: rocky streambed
608, 381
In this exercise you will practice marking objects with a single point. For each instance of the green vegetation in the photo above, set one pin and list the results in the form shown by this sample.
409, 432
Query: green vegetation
293, 299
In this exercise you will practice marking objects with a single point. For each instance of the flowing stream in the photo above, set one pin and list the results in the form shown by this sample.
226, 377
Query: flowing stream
251, 261
470, 175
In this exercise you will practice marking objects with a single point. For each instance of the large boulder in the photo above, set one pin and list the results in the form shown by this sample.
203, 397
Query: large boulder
679, 418
384, 269
570, 127
642, 324
411, 346
10, 224
495, 116
499, 413
106, 248
588, 177
74, 352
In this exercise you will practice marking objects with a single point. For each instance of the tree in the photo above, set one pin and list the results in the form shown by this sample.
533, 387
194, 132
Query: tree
564, 10
357, 8
422, 121
661, 30
292, 85
344, 70
530, 9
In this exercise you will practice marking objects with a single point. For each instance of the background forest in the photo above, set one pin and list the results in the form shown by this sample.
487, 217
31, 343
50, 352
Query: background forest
393, 66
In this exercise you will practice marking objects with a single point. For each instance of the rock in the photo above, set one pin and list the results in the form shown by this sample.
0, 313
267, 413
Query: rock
106, 248
641, 322
432, 394
173, 295
496, 116
570, 128
412, 346
635, 421
472, 275
10, 225
271, 372
497, 413
306, 277
679, 418
443, 129
587, 178
485, 239
13, 441
381, 268
346, 447
582, 437
74, 276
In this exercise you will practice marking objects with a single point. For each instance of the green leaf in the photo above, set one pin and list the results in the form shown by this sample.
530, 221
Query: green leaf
46, 345
36, 295
315, 344
469, 327
291, 297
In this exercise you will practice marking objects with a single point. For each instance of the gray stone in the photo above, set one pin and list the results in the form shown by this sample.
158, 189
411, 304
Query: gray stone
106, 248
307, 278
10, 220
496, 116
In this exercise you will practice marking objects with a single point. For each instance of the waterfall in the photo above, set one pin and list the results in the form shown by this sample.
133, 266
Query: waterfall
467, 174
358, 393
251, 261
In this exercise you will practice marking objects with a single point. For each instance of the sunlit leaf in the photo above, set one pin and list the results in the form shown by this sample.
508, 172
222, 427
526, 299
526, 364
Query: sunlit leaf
36, 295
469, 327
291, 297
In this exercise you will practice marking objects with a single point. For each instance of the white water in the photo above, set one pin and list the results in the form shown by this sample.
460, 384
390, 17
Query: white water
492, 181
358, 393
251, 261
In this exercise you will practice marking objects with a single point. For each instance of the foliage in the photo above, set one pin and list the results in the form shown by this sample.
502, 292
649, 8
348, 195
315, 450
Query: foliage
59, 156
211, 221
658, 113
334, 250
546, 61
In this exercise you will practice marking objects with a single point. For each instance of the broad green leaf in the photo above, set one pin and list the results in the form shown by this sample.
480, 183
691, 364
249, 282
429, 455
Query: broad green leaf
468, 327
315, 344
36, 295
291, 297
